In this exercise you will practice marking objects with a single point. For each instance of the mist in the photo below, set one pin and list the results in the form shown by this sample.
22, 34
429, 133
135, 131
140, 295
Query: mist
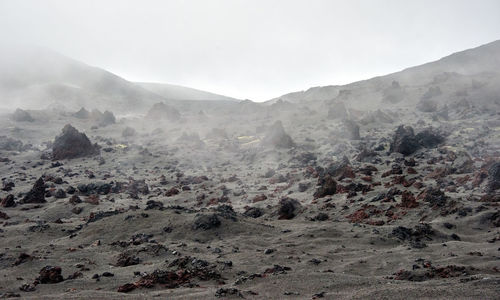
249, 149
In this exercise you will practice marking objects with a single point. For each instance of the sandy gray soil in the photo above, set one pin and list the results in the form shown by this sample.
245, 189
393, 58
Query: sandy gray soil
362, 241
381, 189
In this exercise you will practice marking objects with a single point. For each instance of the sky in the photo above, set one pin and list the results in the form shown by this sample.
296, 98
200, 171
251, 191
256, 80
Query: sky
251, 49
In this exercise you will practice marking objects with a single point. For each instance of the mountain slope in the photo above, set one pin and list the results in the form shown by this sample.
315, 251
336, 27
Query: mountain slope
176, 92
473, 74
37, 78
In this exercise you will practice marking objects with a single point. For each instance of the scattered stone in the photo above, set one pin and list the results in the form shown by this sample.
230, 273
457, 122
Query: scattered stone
327, 187
36, 194
288, 208
8, 201
72, 144
277, 137
206, 222
50, 274
22, 116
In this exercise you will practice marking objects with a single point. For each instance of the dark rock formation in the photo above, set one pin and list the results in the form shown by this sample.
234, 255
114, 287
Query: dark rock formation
36, 194
206, 222
161, 111
428, 138
327, 187
128, 132
288, 208
22, 116
494, 177
72, 144
8, 201
82, 114
404, 141
277, 137
351, 130
50, 274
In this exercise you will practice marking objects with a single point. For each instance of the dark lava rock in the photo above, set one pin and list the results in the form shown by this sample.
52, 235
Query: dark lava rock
128, 132
50, 274
161, 111
82, 114
328, 187
427, 105
36, 194
225, 292
22, 116
8, 185
206, 222
304, 186
415, 236
4, 216
494, 177
60, 194
72, 144
463, 163
428, 138
320, 217
10, 144
8, 201
107, 118
253, 212
351, 130
288, 208
338, 168
277, 137
125, 260
404, 141
151, 204
434, 196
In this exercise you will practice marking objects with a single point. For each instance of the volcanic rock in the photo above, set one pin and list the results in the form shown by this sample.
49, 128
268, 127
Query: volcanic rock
206, 222
8, 201
328, 186
50, 274
288, 208
22, 116
277, 137
404, 141
161, 111
72, 144
36, 194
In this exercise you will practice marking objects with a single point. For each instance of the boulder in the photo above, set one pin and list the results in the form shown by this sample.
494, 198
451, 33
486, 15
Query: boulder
351, 129
50, 274
404, 141
36, 194
72, 144
463, 163
429, 138
82, 114
288, 208
128, 132
277, 137
161, 111
22, 116
327, 187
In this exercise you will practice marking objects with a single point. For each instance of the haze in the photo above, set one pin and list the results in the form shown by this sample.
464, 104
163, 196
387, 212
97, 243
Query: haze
254, 50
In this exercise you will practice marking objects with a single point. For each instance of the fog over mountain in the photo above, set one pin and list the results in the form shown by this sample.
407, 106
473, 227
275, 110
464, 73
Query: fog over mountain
129, 173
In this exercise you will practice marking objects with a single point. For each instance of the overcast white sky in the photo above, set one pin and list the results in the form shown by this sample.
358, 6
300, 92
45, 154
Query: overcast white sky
255, 49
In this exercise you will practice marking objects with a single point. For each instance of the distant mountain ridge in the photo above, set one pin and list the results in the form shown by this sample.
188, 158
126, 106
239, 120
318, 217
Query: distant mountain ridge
177, 92
38, 78
472, 62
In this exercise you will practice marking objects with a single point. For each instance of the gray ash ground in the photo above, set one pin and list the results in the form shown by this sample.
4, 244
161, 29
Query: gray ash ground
329, 203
